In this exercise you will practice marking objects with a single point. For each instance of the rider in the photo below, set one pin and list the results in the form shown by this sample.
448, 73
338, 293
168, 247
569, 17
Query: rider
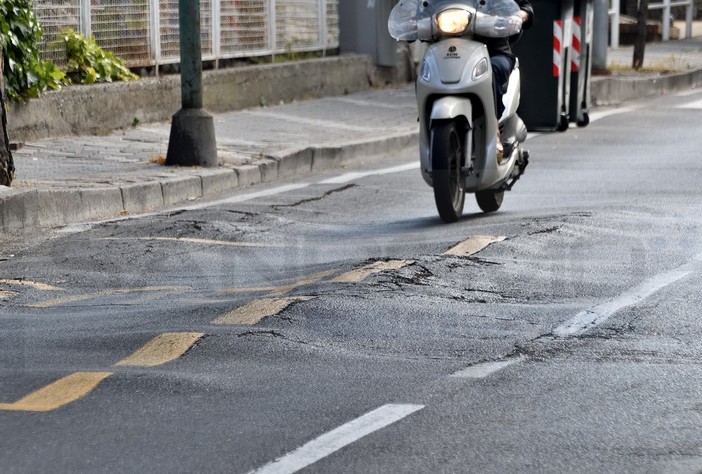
503, 62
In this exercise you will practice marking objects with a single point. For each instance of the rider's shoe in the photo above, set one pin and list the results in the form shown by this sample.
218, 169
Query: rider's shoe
500, 149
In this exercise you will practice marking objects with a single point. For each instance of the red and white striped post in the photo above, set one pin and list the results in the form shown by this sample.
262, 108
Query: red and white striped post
577, 45
557, 47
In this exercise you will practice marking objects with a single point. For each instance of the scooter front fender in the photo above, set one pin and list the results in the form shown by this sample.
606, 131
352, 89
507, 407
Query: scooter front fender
443, 108
451, 107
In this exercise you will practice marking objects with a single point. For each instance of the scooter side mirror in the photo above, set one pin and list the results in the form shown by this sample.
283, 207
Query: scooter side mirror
424, 29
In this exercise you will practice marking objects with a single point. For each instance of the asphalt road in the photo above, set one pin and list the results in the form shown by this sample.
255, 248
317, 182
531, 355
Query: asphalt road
336, 325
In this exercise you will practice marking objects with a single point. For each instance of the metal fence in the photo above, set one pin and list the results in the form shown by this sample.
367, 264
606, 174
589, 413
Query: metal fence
146, 32
665, 6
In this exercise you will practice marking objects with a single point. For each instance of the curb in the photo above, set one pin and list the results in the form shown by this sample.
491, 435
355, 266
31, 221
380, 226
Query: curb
615, 90
32, 208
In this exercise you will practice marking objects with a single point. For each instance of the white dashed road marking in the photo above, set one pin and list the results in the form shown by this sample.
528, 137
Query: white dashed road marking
485, 369
338, 438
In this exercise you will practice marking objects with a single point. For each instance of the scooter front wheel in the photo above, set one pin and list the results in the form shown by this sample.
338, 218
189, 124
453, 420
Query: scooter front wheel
447, 161
489, 200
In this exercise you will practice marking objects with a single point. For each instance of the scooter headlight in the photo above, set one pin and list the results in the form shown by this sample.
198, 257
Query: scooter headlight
480, 69
453, 21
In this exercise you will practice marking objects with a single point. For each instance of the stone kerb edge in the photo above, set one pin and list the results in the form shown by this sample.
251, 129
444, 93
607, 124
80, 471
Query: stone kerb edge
47, 208
616, 90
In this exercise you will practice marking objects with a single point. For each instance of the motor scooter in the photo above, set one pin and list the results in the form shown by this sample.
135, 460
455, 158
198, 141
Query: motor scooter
456, 103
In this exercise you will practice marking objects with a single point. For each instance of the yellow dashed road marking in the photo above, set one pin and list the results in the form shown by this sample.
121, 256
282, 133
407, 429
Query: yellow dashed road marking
208, 301
59, 393
258, 309
161, 349
473, 245
190, 240
30, 284
304, 282
100, 294
281, 290
260, 289
361, 274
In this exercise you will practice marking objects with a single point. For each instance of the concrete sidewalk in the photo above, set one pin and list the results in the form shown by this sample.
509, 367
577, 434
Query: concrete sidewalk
75, 179
668, 67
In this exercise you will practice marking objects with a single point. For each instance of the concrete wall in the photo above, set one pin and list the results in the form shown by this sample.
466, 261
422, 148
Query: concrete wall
101, 108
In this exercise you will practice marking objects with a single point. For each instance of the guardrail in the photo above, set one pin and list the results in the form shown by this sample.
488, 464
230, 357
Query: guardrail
145, 32
665, 5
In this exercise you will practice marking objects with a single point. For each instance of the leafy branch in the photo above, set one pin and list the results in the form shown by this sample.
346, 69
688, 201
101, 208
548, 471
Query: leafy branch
88, 63
26, 75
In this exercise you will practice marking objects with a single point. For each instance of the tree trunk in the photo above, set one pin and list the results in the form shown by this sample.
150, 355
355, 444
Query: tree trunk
641, 34
7, 166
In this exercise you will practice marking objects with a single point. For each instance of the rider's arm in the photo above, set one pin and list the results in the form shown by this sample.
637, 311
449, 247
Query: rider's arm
526, 13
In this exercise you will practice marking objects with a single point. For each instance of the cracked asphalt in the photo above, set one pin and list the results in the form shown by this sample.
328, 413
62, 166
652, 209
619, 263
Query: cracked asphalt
468, 342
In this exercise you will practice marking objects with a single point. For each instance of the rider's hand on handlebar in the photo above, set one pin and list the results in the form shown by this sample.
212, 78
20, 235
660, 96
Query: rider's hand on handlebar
511, 25
516, 21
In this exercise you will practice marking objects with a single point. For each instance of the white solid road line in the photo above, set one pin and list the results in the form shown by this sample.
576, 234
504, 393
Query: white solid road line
686, 93
249, 196
594, 116
485, 369
338, 438
345, 178
691, 105
341, 179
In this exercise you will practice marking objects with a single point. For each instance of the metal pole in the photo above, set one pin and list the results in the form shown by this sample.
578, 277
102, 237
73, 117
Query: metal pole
323, 26
85, 18
192, 141
616, 9
666, 20
217, 31
600, 30
155, 33
190, 53
272, 32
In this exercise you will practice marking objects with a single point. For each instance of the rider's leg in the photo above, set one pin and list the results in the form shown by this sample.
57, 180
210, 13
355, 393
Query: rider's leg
502, 66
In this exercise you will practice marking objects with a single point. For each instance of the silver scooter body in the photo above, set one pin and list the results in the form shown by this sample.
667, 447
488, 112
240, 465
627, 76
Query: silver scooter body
455, 99
446, 90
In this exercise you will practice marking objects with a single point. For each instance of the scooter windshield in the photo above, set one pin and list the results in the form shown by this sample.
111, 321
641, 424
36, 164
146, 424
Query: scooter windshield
498, 8
402, 23
494, 18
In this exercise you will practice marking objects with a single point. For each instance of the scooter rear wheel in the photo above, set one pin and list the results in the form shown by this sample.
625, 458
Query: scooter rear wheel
447, 161
489, 200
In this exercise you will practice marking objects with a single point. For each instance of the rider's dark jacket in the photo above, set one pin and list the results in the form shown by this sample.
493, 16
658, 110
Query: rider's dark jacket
502, 45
